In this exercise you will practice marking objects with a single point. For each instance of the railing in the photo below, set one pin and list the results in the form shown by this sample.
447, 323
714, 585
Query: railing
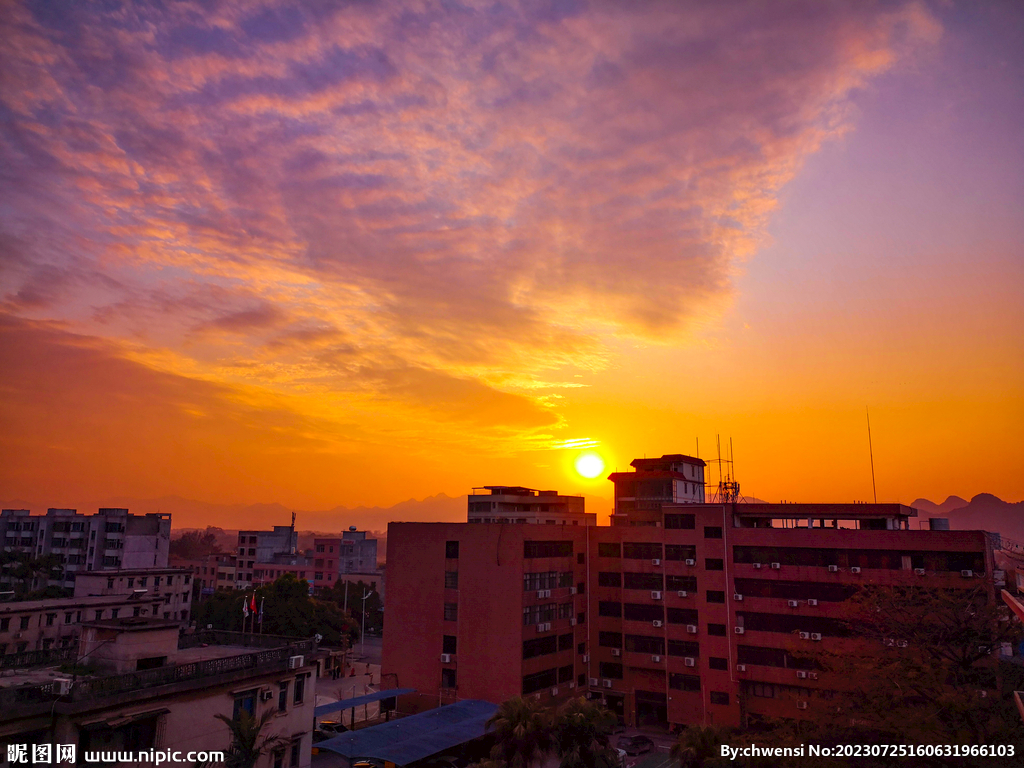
244, 639
38, 658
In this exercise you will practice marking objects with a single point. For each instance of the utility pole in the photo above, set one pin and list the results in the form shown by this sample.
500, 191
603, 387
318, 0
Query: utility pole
362, 632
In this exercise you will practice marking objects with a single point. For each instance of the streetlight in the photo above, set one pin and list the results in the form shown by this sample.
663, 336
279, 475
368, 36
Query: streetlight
362, 631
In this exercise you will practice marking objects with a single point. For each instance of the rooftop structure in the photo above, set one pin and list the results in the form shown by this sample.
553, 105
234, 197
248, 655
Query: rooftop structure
672, 479
516, 504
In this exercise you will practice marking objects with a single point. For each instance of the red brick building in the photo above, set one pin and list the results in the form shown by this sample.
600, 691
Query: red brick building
685, 613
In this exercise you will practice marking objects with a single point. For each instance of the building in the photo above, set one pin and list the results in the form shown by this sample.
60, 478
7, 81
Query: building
112, 538
29, 629
263, 547
210, 573
353, 552
299, 566
672, 479
515, 504
158, 691
172, 587
675, 615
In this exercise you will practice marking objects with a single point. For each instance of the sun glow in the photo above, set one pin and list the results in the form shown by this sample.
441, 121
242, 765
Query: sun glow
589, 465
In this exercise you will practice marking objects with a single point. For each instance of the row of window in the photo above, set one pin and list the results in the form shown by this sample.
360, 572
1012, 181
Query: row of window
539, 614
542, 646
648, 612
863, 558
650, 581
547, 678
74, 617
546, 580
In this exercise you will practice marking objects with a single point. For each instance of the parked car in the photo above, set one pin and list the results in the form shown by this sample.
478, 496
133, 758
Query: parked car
324, 731
634, 745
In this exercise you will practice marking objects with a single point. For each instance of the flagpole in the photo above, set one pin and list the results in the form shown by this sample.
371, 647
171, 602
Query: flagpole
262, 601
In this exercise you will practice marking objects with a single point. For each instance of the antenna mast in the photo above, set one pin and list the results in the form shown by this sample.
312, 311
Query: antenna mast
871, 455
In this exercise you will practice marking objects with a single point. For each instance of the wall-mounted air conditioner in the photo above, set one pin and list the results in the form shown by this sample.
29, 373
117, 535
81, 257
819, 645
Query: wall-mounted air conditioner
554, 691
919, 571
266, 695
657, 624
446, 658
572, 590
776, 566
812, 601
805, 635
294, 662
741, 667
586, 658
855, 569
833, 569
757, 566
682, 593
801, 675
691, 628
801, 705
812, 675
738, 597
572, 622
792, 603
739, 630
690, 561
606, 683
62, 686
689, 661
815, 635
655, 595
656, 561
543, 593
967, 574
616, 651
656, 659
593, 681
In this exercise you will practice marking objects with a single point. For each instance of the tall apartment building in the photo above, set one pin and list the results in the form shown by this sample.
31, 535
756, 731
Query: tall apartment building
351, 553
515, 504
112, 538
673, 479
684, 614
263, 547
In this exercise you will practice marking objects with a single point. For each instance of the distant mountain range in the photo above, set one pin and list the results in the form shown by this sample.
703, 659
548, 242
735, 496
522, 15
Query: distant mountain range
983, 512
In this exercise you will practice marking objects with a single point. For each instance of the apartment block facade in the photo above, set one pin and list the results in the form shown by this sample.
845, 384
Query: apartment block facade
684, 613
171, 587
515, 504
258, 547
110, 539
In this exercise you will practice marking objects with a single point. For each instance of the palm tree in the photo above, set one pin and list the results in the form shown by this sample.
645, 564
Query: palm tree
581, 735
697, 744
247, 747
522, 731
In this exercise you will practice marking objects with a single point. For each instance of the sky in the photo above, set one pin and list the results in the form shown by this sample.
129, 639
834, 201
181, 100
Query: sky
325, 253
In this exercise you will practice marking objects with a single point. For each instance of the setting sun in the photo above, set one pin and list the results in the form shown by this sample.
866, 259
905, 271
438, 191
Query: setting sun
589, 465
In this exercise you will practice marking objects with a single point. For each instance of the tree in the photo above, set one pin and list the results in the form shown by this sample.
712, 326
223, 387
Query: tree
193, 545
522, 731
356, 590
921, 666
697, 745
248, 744
581, 730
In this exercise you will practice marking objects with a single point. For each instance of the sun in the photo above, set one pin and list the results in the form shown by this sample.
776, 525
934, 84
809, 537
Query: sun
589, 465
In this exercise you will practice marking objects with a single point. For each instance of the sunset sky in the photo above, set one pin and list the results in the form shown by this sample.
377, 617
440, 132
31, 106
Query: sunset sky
326, 253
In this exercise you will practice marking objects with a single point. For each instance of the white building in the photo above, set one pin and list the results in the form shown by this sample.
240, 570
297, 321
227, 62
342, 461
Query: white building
515, 504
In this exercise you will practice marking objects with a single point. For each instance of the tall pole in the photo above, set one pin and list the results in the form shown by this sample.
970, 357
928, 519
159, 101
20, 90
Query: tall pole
871, 455
362, 632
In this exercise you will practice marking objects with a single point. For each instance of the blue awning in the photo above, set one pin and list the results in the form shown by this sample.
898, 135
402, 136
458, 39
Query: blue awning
358, 701
413, 738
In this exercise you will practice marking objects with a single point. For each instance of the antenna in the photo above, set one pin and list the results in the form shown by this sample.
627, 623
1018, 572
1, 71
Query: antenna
871, 455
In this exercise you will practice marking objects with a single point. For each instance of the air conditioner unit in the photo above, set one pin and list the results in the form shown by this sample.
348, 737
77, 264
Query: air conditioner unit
572, 622
682, 593
572, 590
593, 681
815, 635
446, 658
571, 686
812, 601
657, 624
805, 635
792, 603
776, 566
739, 630
801, 674
690, 561
554, 691
801, 705
266, 695
656, 561
812, 675
689, 661
888, 642
656, 659
691, 628
902, 643
606, 683
543, 593
833, 569
655, 595
738, 597
586, 658
294, 662
967, 574
855, 569
919, 571
62, 686
741, 667
757, 566
616, 651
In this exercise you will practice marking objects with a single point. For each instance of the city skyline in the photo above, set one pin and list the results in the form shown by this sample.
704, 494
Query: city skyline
350, 256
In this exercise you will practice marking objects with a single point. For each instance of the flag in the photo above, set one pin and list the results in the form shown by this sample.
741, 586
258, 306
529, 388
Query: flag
252, 606
262, 601
245, 608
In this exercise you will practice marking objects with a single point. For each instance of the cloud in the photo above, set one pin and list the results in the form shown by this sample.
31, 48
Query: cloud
431, 205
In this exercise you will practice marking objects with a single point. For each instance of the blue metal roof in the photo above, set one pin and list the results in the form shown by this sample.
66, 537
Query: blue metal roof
358, 701
413, 738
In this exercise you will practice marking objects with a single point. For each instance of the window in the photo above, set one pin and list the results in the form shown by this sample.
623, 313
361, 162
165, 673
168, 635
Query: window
641, 550
717, 662
581, 648
25, 619
712, 531
565, 674
581, 558
131, 582
608, 550
681, 615
5, 624
68, 618
645, 644
715, 596
762, 690
545, 679
449, 643
610, 670
718, 697
282, 698
680, 682
110, 583
648, 581
643, 612
113, 613
52, 617
581, 588
547, 549
676, 583
565, 642
609, 639
609, 579
295, 753
245, 702
581, 617
608, 608
278, 758
685, 522
683, 648
156, 581
136, 611
451, 550
300, 689
717, 630
714, 564
451, 611
539, 646
145, 579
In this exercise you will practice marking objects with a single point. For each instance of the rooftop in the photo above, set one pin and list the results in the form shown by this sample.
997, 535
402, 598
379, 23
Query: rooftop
513, 490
